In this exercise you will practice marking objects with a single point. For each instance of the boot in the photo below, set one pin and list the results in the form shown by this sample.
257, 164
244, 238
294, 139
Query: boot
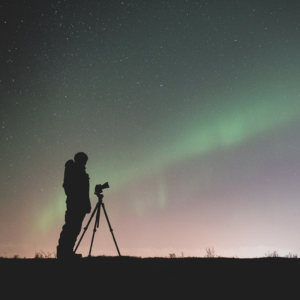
62, 253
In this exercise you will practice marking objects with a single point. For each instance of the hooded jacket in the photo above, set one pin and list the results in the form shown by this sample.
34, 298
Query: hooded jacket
77, 186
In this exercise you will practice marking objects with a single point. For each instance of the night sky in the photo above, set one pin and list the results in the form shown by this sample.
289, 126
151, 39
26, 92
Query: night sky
189, 109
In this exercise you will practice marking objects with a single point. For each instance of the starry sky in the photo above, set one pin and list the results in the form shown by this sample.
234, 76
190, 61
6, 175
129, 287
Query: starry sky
189, 109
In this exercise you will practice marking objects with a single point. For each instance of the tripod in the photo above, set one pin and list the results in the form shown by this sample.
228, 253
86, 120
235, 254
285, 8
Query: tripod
97, 220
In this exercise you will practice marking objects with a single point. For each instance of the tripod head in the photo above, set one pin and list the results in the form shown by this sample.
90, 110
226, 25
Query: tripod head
100, 187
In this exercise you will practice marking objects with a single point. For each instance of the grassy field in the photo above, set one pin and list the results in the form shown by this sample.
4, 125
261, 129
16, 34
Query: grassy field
151, 278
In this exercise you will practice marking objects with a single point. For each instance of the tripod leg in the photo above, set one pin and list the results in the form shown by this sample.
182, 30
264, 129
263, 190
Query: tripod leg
97, 220
87, 225
111, 230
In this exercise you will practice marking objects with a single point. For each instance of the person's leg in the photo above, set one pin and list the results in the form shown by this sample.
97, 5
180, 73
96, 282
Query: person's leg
77, 225
69, 233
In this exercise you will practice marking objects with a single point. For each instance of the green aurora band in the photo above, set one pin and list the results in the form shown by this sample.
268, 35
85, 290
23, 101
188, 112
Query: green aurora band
231, 126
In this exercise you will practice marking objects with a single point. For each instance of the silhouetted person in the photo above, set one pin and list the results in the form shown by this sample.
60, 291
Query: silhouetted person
76, 186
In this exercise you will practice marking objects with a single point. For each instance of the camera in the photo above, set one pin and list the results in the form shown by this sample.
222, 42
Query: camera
100, 187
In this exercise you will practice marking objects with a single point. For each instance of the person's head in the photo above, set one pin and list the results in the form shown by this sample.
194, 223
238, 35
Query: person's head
81, 158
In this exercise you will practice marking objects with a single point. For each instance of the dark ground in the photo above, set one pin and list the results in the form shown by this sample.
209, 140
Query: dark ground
151, 278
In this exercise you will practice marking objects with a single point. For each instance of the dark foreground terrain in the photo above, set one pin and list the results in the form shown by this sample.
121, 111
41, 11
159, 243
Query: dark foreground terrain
150, 278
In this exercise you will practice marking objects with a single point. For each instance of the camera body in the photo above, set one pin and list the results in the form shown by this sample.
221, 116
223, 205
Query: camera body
100, 187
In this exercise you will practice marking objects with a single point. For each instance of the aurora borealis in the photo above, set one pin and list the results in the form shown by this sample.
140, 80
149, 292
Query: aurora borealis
189, 109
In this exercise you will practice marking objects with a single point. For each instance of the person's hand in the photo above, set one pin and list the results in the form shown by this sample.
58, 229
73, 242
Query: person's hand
88, 209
